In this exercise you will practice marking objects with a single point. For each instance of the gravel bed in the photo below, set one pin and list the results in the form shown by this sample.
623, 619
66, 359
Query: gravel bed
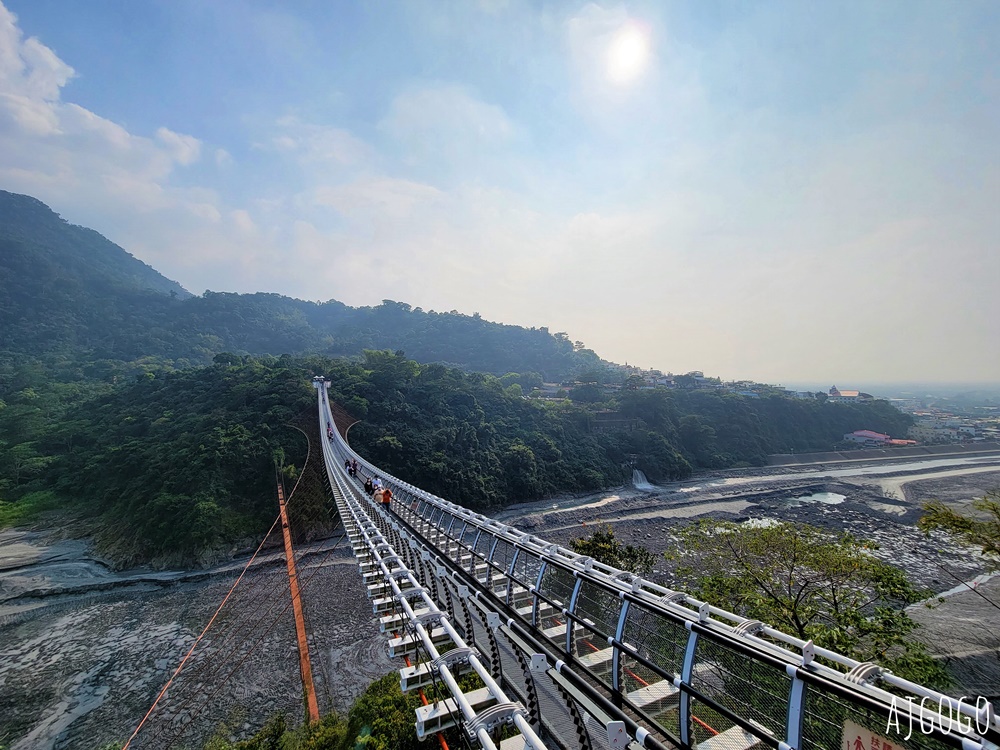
78, 673
85, 650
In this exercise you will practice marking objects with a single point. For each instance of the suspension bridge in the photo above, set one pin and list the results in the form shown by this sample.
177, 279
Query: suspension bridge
527, 644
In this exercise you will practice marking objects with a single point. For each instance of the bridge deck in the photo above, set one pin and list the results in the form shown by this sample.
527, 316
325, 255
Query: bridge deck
574, 653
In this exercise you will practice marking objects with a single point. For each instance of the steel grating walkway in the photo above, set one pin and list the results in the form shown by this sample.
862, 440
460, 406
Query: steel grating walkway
541, 647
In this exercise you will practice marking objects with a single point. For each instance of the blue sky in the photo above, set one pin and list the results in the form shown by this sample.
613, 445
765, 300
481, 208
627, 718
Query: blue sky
785, 191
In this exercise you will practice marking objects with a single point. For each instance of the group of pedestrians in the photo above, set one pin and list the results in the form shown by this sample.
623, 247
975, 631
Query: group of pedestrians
379, 493
373, 485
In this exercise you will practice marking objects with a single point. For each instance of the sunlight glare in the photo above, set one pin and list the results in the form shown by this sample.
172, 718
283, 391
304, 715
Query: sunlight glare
628, 54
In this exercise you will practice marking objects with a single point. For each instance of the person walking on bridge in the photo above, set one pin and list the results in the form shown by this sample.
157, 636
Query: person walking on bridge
386, 498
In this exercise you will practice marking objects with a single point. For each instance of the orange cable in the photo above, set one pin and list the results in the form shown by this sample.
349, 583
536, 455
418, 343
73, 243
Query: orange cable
706, 726
199, 638
306, 463
255, 645
219, 609
254, 598
237, 627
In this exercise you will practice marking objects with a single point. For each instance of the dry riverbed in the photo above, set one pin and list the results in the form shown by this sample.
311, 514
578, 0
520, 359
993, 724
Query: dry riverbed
84, 650
883, 506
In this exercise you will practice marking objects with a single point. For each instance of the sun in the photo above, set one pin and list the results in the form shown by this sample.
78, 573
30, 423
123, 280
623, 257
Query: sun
627, 54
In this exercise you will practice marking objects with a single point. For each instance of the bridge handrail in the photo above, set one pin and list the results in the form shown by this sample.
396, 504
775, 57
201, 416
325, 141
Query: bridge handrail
797, 655
374, 542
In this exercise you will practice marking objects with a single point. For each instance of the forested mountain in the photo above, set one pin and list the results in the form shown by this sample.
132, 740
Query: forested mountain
68, 255
173, 464
161, 416
62, 286
86, 308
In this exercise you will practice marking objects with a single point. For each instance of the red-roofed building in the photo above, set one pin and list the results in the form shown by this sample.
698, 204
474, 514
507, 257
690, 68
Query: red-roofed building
867, 437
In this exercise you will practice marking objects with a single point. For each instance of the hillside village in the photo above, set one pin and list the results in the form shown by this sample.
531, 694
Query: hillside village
934, 424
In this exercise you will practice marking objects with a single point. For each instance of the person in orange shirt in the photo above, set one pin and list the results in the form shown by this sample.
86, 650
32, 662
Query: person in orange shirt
386, 497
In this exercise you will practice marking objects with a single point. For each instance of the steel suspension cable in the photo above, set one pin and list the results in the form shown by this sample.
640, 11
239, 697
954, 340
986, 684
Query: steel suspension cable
199, 638
253, 648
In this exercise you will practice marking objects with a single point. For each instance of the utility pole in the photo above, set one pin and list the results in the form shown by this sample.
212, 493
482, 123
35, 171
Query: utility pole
305, 668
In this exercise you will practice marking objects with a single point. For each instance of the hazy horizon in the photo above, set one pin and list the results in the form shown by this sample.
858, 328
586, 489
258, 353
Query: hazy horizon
786, 193
917, 389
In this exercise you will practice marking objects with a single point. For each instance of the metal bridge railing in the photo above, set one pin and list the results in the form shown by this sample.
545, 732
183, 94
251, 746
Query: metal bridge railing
396, 589
614, 650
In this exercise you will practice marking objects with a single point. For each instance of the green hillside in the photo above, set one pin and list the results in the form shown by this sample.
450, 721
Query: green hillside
85, 308
68, 254
159, 417
174, 464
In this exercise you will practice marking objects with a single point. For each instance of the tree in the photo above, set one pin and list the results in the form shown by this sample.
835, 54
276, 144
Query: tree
982, 532
685, 381
603, 547
634, 382
23, 462
382, 717
588, 393
812, 584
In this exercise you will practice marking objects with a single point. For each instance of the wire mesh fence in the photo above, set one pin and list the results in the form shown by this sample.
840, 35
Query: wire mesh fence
682, 672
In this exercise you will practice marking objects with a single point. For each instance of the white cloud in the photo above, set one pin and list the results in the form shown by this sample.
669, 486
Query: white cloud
651, 221
185, 149
319, 145
242, 220
26, 115
445, 108
445, 123
384, 197
82, 164
27, 67
47, 74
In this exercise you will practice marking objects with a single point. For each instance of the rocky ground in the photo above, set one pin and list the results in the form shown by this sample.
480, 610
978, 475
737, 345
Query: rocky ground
857, 503
964, 600
84, 650
78, 670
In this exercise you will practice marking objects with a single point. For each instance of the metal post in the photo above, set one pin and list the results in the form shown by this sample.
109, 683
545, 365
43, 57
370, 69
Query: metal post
510, 575
569, 620
616, 653
534, 597
685, 697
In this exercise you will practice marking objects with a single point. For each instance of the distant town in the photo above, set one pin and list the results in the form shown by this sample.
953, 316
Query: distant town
938, 420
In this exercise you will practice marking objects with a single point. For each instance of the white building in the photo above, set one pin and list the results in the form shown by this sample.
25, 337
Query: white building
838, 396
